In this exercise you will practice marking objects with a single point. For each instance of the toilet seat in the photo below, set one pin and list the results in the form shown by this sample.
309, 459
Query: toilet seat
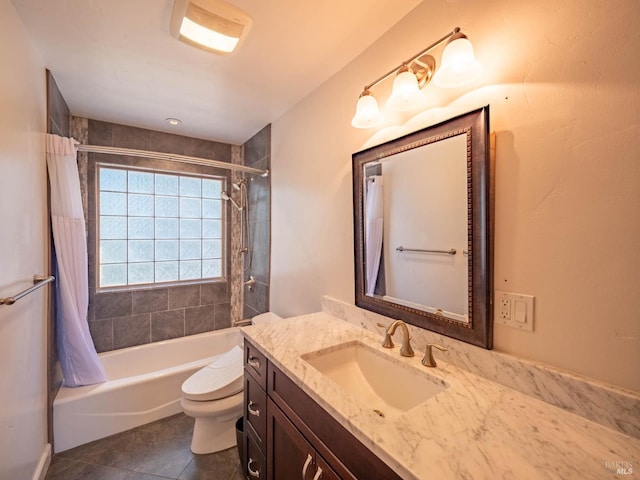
220, 379
230, 406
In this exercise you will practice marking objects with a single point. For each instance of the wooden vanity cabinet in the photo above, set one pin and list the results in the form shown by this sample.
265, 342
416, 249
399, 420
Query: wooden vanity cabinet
292, 437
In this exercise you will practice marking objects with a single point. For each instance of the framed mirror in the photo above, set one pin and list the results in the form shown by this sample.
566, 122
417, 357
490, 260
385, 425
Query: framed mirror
423, 220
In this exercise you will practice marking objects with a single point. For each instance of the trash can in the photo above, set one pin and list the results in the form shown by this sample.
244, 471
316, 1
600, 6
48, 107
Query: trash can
240, 438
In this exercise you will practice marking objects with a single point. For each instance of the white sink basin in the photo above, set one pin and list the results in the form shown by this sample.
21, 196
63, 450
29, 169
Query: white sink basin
375, 378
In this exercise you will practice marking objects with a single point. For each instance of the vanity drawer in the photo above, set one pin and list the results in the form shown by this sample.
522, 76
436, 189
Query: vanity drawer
256, 466
256, 364
255, 409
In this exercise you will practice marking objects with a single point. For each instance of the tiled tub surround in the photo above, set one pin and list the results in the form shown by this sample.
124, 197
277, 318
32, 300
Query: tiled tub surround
475, 429
237, 260
125, 319
257, 154
612, 407
119, 319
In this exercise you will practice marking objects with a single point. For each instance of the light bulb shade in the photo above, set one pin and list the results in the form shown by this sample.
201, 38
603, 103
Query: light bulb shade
212, 25
406, 94
367, 112
459, 64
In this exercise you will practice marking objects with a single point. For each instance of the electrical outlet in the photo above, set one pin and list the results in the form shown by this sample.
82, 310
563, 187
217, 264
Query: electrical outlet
514, 310
505, 308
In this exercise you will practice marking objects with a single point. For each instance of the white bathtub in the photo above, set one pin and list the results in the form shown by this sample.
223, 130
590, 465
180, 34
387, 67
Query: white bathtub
144, 385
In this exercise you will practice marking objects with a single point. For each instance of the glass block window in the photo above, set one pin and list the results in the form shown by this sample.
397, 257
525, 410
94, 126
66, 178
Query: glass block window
158, 227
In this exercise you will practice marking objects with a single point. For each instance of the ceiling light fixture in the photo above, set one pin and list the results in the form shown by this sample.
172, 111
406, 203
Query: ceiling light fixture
212, 25
173, 121
459, 67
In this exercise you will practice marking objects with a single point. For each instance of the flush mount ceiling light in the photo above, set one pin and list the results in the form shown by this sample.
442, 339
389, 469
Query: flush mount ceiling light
173, 121
459, 67
212, 25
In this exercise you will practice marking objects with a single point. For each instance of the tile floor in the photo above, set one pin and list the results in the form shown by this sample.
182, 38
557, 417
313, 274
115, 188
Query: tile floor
159, 450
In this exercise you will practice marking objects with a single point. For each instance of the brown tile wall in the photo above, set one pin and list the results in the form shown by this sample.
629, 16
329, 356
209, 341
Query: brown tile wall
257, 153
120, 319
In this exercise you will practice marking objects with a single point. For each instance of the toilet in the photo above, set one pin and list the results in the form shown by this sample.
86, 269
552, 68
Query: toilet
214, 395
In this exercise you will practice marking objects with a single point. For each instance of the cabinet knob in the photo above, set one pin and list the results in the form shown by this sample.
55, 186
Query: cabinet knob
253, 411
252, 472
253, 361
306, 466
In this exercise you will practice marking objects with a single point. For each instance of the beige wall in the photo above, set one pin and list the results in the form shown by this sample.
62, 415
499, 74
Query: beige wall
23, 241
562, 81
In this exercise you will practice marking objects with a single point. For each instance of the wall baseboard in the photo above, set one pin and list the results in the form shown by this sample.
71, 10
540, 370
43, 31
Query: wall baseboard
43, 464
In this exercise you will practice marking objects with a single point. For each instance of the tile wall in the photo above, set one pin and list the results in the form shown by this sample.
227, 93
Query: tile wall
257, 154
120, 319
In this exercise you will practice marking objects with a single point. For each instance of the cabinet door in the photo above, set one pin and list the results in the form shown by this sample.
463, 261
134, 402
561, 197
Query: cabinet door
324, 471
289, 455
348, 457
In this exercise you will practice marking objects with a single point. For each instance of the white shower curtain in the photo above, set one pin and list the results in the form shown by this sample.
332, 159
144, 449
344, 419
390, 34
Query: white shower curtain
76, 351
373, 230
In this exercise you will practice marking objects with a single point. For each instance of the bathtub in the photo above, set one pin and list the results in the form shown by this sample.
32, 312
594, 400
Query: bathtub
144, 385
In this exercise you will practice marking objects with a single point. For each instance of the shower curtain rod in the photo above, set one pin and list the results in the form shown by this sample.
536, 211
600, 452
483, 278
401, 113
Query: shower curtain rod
171, 157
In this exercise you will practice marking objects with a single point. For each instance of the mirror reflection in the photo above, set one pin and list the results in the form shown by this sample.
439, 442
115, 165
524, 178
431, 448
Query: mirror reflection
416, 238
423, 220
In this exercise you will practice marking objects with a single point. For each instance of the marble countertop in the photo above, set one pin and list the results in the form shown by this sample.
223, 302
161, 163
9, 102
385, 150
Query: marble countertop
475, 429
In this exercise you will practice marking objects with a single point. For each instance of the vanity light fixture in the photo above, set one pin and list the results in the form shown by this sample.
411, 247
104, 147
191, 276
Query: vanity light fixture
459, 66
406, 93
212, 25
367, 111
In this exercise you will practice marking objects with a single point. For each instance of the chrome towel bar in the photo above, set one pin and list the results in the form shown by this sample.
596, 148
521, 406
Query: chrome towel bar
38, 281
451, 251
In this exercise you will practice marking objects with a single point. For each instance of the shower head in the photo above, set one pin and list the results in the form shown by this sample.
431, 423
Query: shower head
226, 197
237, 185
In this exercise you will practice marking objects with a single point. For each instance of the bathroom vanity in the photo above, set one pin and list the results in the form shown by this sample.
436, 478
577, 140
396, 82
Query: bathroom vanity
302, 423
288, 435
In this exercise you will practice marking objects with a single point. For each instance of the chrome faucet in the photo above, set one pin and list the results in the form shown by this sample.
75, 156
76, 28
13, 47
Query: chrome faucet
405, 350
428, 360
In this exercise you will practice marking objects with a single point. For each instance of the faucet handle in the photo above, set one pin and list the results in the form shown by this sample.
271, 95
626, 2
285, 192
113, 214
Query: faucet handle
428, 360
387, 342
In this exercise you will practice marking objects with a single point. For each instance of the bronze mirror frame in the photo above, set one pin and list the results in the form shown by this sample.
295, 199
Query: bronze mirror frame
480, 213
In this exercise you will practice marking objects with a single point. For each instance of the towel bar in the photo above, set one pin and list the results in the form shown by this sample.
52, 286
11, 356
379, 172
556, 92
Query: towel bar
38, 281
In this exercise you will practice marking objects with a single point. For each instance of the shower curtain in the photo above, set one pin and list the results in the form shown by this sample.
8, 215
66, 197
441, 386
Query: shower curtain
373, 231
76, 351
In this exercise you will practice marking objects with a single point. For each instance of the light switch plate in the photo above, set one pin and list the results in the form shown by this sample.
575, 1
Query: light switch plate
514, 310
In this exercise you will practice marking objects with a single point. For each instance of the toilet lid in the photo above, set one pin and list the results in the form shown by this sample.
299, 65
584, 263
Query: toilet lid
220, 379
